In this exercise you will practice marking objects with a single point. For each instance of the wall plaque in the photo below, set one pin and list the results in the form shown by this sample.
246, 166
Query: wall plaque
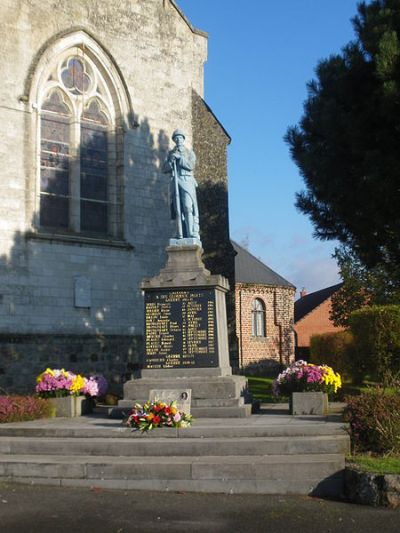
180, 329
82, 292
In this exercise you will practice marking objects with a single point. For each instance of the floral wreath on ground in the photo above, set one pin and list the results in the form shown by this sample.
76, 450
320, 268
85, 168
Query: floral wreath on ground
56, 383
157, 414
306, 377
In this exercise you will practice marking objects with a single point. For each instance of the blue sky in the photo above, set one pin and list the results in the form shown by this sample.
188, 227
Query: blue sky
261, 53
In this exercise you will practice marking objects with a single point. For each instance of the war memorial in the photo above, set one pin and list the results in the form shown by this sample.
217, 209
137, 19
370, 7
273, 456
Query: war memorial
115, 258
186, 334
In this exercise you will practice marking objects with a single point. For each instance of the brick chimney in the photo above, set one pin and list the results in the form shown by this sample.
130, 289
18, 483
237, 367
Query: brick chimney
303, 292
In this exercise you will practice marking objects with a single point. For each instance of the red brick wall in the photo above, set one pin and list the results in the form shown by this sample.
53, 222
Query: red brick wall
315, 323
278, 345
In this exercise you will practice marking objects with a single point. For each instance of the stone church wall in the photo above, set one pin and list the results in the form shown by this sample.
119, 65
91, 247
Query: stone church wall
159, 59
210, 142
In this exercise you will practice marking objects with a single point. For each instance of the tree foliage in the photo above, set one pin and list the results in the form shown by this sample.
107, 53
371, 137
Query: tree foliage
347, 144
361, 286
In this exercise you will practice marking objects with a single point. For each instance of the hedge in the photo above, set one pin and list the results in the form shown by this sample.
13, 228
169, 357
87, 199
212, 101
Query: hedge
332, 349
376, 347
20, 408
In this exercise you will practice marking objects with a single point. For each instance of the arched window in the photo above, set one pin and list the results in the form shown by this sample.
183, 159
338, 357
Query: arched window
76, 134
55, 159
82, 109
258, 318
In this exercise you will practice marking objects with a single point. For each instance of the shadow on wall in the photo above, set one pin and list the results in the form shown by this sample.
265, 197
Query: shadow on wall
117, 243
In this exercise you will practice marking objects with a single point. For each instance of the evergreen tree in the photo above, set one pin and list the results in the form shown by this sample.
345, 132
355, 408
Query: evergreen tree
347, 144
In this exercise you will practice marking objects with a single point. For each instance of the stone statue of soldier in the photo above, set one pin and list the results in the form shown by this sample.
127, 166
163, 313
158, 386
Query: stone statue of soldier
180, 164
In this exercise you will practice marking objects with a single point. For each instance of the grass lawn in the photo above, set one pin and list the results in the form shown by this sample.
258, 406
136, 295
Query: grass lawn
261, 389
376, 465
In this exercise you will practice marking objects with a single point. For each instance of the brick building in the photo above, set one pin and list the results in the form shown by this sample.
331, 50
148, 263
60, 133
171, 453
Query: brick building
264, 314
312, 317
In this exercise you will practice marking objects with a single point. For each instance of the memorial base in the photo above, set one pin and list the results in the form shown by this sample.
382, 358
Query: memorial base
186, 339
214, 394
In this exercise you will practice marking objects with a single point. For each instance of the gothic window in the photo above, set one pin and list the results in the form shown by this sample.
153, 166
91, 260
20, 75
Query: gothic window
54, 161
258, 318
78, 152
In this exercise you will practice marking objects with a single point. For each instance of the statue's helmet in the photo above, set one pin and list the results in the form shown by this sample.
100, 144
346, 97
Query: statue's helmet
178, 132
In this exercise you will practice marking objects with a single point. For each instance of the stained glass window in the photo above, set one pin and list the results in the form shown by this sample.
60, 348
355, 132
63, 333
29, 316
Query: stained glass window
78, 189
54, 162
94, 169
258, 318
74, 76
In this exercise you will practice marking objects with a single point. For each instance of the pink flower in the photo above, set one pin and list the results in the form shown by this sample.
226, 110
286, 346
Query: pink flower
177, 417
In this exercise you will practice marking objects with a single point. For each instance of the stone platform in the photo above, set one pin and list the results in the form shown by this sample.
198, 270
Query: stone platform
215, 392
269, 453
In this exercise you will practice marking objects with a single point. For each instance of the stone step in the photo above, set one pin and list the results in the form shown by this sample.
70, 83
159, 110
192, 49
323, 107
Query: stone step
148, 446
238, 411
272, 474
205, 429
211, 388
196, 402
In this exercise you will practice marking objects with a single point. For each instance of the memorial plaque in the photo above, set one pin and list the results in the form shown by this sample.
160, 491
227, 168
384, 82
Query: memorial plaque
182, 397
180, 329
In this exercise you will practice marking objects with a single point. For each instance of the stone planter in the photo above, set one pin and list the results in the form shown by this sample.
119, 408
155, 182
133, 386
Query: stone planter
69, 406
308, 403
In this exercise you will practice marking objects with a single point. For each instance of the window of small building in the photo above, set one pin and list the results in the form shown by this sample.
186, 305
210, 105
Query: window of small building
78, 180
258, 318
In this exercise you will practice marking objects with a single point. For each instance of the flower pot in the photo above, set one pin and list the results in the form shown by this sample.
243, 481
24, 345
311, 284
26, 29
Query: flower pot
68, 406
308, 403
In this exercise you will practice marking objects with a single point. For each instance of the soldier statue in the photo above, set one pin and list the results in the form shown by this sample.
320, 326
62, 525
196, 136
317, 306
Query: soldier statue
180, 164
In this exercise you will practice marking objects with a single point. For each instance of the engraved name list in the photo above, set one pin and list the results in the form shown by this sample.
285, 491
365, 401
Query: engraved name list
180, 329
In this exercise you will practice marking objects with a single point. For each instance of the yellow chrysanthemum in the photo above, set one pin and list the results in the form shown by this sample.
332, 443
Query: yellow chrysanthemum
77, 385
332, 378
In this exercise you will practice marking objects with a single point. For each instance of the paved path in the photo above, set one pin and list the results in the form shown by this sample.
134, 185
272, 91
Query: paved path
37, 509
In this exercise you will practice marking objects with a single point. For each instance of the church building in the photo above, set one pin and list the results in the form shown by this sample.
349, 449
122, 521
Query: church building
91, 93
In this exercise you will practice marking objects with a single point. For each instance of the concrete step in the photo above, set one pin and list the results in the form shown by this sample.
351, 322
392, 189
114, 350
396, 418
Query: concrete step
237, 411
204, 429
211, 388
271, 474
196, 402
148, 446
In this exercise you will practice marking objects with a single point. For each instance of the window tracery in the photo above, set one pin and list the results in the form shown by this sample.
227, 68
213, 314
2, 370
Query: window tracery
80, 103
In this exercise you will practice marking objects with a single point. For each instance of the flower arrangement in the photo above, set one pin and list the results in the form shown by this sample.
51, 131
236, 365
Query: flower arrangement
53, 383
157, 414
306, 377
95, 386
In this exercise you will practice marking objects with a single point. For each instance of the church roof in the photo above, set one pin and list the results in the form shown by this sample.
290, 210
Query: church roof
309, 302
249, 269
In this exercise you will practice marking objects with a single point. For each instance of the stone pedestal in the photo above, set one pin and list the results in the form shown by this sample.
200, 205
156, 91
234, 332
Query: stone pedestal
186, 338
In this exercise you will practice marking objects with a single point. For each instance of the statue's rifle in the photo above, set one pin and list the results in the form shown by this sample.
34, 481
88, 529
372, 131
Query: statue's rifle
177, 200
